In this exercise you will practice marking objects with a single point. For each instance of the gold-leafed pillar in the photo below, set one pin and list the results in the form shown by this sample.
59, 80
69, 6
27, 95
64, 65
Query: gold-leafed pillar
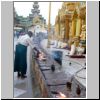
74, 17
58, 24
57, 27
73, 27
48, 44
78, 27
66, 28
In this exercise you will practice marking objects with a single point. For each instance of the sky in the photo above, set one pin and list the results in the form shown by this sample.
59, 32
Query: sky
24, 9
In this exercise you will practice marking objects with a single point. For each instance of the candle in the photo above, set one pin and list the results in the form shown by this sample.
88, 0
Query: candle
61, 95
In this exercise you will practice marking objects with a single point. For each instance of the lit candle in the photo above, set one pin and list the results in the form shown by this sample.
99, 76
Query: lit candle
61, 95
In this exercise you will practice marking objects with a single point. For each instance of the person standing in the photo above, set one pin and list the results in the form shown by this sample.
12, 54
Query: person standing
20, 61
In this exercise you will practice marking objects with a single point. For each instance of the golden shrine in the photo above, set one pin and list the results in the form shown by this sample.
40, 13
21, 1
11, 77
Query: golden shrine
70, 23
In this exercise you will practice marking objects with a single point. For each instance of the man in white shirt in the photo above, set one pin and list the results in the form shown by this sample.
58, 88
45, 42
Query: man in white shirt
20, 62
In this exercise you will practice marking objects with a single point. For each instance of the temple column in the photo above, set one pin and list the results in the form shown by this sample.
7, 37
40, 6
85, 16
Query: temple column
66, 29
57, 28
73, 27
74, 17
78, 27
48, 44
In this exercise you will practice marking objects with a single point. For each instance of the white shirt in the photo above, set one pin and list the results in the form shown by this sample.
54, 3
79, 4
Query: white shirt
25, 40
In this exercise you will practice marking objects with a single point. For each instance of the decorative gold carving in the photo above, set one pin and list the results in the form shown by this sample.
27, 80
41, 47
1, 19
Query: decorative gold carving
70, 20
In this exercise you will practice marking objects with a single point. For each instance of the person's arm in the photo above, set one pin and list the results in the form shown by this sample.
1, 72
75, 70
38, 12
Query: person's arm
38, 51
32, 45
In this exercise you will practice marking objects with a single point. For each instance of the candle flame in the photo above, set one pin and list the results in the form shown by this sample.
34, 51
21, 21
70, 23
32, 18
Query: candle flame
42, 56
61, 95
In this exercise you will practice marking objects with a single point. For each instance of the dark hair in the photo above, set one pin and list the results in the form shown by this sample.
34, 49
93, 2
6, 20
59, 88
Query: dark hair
21, 31
30, 33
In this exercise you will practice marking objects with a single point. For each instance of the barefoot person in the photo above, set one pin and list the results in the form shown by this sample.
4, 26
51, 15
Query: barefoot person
20, 61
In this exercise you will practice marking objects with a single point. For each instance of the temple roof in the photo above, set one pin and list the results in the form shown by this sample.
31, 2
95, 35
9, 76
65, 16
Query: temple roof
35, 11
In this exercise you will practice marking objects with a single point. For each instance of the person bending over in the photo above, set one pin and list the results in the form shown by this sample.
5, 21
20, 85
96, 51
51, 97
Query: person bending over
20, 61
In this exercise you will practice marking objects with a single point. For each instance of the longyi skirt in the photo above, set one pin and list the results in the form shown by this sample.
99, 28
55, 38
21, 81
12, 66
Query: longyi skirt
20, 61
